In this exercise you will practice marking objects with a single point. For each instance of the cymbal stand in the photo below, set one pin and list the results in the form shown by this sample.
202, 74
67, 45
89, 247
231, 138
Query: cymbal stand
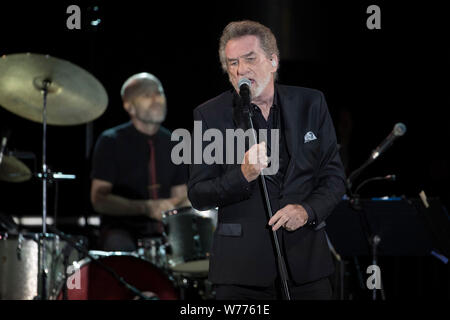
46, 175
43, 271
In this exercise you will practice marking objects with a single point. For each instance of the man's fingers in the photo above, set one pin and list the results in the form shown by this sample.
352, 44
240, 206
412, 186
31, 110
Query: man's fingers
169, 205
166, 205
254, 158
276, 216
280, 222
263, 158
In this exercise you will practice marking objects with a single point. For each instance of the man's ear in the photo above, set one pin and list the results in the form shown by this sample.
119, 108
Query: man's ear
274, 61
128, 106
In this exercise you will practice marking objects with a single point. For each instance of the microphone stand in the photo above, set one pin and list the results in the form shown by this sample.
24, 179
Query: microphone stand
372, 239
280, 258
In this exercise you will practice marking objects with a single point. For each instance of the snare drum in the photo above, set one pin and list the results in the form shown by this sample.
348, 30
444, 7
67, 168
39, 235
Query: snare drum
190, 233
89, 281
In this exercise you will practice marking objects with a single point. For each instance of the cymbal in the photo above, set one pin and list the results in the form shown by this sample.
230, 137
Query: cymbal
14, 170
74, 95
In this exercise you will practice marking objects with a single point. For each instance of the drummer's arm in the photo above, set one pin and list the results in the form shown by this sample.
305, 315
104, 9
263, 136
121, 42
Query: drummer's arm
105, 202
178, 196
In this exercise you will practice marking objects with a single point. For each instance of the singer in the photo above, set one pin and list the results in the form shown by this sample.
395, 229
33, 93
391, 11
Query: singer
309, 183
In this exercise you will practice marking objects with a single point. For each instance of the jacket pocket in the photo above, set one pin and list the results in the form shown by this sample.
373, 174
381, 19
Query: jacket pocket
229, 229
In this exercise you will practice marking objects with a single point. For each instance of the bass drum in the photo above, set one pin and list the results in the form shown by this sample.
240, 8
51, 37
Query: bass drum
90, 281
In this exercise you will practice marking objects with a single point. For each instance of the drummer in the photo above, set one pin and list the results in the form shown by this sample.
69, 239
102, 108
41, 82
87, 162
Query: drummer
133, 177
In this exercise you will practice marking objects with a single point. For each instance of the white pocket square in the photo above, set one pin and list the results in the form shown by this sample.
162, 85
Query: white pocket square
310, 136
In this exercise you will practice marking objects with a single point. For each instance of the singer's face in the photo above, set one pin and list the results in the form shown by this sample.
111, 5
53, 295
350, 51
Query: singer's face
246, 59
149, 108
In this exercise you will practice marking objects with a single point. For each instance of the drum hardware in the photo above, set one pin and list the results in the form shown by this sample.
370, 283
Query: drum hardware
66, 254
14, 170
20, 254
47, 176
194, 288
106, 268
190, 236
3, 143
49, 91
96, 284
7, 224
182, 252
19, 247
54, 176
154, 250
74, 95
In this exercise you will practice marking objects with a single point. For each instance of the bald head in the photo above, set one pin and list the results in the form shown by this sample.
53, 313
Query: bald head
140, 84
144, 100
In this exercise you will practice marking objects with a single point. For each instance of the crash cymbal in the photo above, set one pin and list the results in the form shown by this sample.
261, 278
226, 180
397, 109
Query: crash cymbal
14, 170
74, 95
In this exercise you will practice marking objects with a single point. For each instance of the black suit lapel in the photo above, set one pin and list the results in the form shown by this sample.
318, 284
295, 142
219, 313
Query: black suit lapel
290, 114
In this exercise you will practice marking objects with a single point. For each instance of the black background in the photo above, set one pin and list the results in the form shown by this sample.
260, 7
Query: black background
375, 78
371, 79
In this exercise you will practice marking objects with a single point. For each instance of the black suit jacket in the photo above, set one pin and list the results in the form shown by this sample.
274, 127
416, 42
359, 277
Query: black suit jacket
242, 250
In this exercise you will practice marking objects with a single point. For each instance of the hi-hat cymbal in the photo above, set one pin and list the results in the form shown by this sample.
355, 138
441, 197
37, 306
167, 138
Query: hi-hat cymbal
74, 95
14, 170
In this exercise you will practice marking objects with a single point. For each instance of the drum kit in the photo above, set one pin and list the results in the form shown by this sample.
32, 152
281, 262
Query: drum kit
173, 266
53, 265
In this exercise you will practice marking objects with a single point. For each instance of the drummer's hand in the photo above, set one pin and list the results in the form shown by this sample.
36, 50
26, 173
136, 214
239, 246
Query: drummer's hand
155, 208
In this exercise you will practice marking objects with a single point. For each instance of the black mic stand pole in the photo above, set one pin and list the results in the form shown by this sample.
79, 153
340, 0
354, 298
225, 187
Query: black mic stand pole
372, 239
281, 262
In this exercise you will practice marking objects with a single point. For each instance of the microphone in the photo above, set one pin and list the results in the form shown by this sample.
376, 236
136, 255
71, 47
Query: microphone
389, 177
244, 91
398, 131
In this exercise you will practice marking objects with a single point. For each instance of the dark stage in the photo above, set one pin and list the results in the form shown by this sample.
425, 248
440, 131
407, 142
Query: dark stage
371, 79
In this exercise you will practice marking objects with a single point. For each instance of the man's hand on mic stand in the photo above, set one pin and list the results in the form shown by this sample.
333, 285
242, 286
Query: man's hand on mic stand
255, 160
291, 217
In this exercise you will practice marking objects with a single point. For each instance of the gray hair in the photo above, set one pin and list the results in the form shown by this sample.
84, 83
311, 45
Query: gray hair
237, 29
139, 84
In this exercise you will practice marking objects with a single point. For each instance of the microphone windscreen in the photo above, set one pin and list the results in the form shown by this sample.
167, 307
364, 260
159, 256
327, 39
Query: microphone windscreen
243, 81
399, 129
